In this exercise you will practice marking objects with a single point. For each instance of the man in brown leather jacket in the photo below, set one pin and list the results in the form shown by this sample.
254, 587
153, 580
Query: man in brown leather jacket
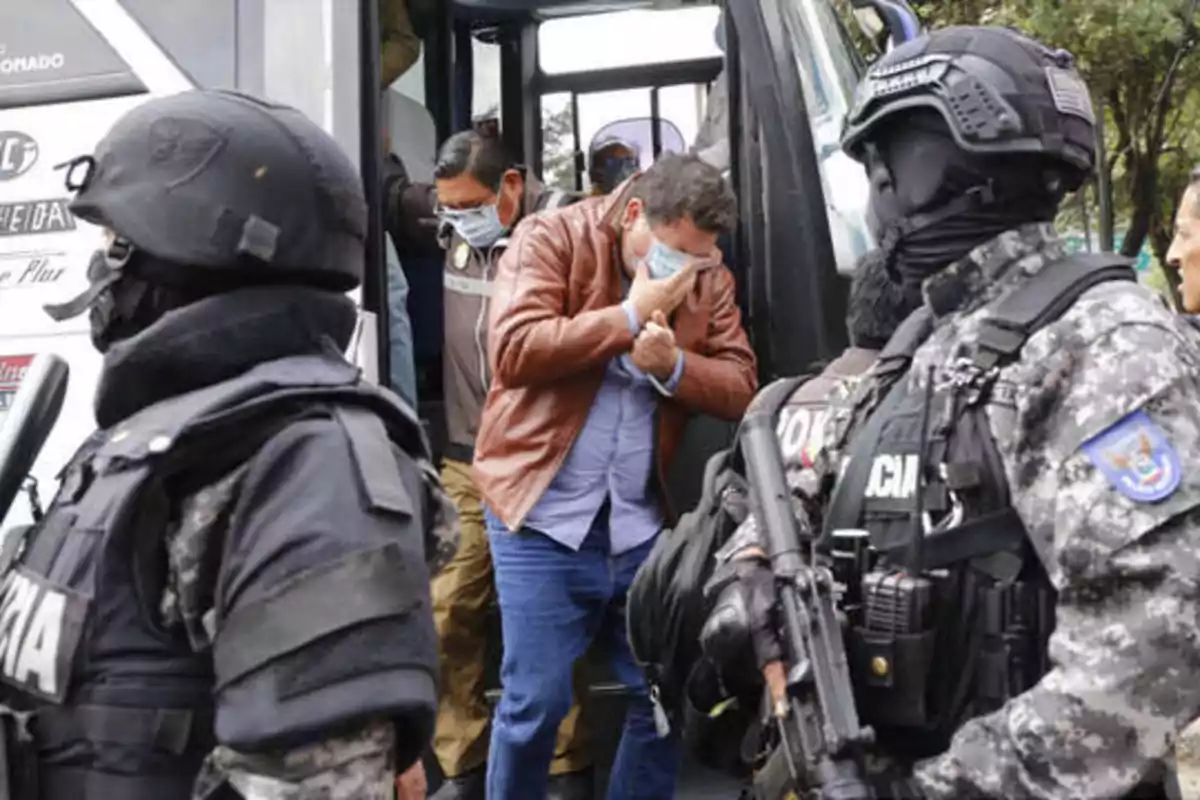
613, 322
478, 197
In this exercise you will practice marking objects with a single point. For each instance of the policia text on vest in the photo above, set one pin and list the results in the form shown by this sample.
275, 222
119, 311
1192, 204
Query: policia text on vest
34, 618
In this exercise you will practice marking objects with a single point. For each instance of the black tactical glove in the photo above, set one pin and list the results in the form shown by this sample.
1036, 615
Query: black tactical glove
744, 612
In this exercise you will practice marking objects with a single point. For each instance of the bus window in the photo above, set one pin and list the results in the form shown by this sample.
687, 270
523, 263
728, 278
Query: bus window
627, 38
599, 109
622, 147
683, 105
678, 109
485, 89
558, 142
829, 67
575, 53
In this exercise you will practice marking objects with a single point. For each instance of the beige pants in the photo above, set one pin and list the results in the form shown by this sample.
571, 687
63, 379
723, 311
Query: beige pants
462, 595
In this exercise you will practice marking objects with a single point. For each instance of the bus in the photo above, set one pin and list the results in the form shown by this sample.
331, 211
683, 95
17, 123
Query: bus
553, 75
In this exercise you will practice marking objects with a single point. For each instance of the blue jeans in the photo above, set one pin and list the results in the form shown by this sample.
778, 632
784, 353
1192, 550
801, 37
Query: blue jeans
553, 603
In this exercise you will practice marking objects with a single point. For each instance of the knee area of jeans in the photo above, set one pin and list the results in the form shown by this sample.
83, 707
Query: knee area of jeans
540, 699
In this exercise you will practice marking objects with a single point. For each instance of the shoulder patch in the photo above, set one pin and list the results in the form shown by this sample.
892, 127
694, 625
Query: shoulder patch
1137, 459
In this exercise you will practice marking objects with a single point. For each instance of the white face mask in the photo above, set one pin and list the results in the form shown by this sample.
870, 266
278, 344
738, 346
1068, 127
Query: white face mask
479, 227
663, 261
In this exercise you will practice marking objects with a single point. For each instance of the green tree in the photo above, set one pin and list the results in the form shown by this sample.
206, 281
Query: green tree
1139, 59
558, 149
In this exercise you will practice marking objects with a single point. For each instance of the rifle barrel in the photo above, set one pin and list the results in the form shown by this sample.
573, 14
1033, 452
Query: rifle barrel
28, 423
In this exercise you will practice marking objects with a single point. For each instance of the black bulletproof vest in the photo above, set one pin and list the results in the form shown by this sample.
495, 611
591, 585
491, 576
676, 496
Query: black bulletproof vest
80, 640
953, 610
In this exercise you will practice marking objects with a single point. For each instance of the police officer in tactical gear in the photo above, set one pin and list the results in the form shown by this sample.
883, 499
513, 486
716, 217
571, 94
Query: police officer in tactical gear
229, 595
876, 307
1021, 458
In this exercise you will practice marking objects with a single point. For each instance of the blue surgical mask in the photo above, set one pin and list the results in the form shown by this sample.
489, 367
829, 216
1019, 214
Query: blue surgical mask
663, 261
479, 227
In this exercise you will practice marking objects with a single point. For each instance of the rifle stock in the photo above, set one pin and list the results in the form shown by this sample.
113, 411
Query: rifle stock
28, 423
821, 737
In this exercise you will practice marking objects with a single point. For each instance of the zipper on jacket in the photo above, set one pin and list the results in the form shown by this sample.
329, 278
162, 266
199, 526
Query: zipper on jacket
481, 321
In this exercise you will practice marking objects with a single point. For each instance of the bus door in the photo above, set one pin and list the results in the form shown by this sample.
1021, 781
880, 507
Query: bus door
68, 70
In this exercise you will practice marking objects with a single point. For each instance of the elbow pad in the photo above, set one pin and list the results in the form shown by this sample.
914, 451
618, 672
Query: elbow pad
347, 641
744, 613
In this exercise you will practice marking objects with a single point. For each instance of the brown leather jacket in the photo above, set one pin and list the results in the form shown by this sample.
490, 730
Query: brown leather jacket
556, 322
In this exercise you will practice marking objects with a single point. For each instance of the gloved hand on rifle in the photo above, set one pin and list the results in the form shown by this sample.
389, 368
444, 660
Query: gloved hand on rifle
744, 617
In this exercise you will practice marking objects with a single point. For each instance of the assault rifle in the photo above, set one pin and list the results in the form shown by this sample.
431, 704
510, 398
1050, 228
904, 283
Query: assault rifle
28, 422
819, 736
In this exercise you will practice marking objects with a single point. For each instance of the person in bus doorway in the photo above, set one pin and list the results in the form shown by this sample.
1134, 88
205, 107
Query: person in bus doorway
183, 630
478, 196
610, 163
613, 322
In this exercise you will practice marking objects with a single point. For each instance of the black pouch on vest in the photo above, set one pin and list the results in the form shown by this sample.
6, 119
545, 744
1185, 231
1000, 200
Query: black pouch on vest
893, 651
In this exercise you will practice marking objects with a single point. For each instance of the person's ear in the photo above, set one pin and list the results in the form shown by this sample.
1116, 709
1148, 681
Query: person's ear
633, 212
512, 188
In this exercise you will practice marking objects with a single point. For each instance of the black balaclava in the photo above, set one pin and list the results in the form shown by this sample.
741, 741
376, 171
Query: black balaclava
931, 202
165, 330
126, 294
877, 304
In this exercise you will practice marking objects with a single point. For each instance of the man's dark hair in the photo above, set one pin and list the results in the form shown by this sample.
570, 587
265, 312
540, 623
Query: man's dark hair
685, 187
877, 303
483, 158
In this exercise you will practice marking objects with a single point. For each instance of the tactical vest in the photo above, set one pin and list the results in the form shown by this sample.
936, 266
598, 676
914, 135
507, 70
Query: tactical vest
100, 700
950, 608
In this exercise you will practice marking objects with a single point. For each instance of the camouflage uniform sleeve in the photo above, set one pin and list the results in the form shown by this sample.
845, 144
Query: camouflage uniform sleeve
356, 766
1121, 543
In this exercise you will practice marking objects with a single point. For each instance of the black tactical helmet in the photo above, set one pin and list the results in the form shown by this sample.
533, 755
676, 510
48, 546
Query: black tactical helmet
218, 181
999, 91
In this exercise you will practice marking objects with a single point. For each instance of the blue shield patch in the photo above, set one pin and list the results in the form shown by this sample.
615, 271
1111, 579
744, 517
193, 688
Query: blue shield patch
1137, 459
